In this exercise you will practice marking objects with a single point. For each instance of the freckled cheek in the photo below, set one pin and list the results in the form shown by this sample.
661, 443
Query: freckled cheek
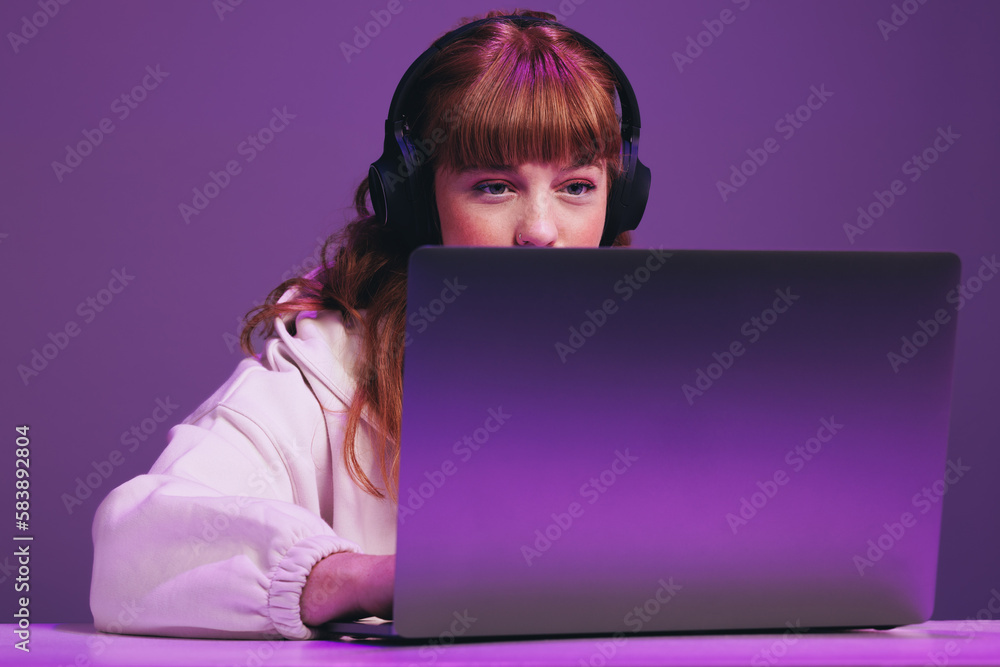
591, 232
583, 227
452, 222
594, 231
462, 226
484, 231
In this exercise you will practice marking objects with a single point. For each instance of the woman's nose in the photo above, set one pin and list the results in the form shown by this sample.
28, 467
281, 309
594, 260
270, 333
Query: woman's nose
537, 226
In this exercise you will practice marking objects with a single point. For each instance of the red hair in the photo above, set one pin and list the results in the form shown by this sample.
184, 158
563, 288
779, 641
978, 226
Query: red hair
502, 95
508, 94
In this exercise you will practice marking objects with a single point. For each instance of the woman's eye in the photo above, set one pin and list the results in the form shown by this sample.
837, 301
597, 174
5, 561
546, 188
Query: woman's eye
492, 188
579, 188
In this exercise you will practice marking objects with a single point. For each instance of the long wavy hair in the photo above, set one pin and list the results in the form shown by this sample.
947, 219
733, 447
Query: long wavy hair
504, 95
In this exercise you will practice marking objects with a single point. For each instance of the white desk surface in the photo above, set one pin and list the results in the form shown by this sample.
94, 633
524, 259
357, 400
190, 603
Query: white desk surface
932, 643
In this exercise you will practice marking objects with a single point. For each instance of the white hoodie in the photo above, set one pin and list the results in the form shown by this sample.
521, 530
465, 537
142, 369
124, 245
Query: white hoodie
250, 493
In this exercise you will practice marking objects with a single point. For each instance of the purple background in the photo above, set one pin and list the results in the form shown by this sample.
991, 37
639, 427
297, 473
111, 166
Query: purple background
168, 335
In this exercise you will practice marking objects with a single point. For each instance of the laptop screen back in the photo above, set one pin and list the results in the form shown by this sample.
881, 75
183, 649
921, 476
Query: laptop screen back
602, 441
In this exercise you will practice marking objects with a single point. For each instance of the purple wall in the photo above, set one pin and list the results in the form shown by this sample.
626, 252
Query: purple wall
167, 291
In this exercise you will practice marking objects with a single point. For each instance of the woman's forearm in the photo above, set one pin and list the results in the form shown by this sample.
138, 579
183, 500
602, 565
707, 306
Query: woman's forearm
346, 586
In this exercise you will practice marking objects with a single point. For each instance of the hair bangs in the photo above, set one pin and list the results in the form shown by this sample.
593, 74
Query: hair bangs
533, 105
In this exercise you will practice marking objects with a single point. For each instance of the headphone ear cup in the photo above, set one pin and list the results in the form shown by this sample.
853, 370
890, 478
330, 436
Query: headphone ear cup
393, 187
612, 215
376, 190
634, 203
390, 182
626, 200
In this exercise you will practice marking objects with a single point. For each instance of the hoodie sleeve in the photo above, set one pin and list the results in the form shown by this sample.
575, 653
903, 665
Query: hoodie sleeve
218, 539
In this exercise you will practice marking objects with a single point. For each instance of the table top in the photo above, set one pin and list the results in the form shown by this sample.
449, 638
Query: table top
939, 643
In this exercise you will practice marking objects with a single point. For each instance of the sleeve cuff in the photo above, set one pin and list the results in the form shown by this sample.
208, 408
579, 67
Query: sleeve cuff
288, 579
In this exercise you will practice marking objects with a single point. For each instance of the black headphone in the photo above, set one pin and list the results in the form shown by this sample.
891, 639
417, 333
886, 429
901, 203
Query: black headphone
393, 186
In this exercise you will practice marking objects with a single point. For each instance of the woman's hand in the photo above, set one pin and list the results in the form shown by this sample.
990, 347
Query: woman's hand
347, 586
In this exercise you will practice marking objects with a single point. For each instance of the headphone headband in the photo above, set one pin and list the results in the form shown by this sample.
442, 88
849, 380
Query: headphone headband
396, 197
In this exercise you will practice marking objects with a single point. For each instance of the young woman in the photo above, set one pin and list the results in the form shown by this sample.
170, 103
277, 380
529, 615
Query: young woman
273, 508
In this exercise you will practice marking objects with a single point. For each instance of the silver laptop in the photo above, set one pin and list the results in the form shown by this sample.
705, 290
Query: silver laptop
621, 441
